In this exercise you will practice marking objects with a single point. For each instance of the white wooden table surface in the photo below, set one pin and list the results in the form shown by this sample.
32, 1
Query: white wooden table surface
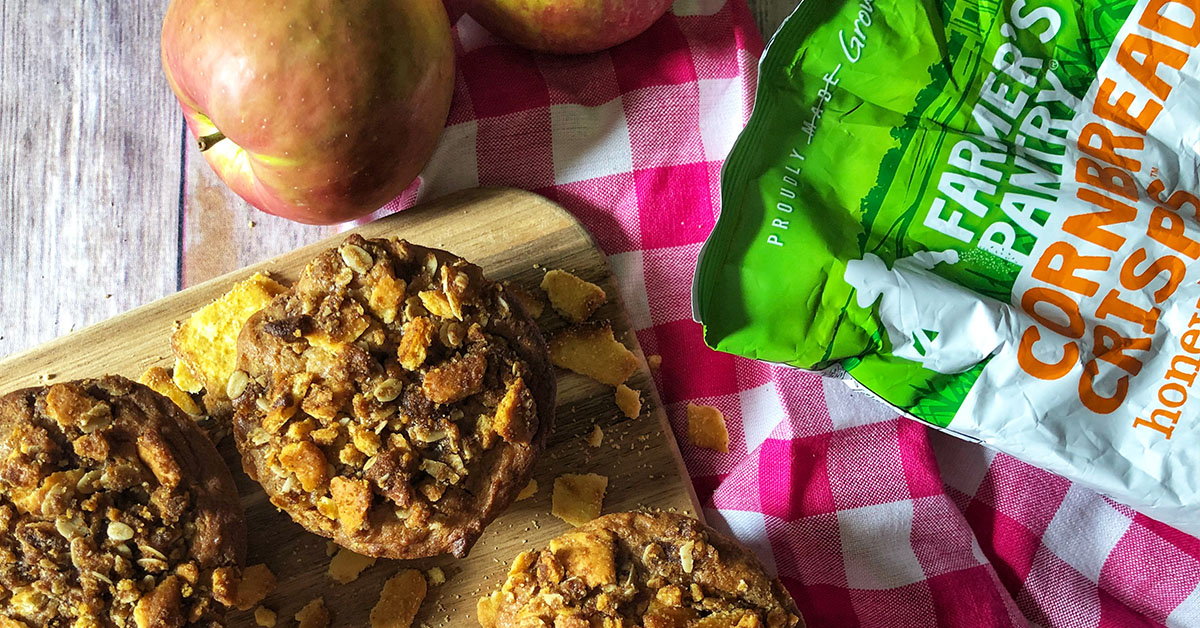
92, 172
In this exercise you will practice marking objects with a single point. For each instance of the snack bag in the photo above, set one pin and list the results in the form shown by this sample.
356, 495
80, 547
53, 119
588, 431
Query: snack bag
986, 213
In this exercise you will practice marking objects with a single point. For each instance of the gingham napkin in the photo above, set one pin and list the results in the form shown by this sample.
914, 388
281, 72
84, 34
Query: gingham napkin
869, 519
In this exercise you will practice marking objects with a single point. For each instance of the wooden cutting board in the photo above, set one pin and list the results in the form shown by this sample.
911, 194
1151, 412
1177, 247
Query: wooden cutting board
513, 235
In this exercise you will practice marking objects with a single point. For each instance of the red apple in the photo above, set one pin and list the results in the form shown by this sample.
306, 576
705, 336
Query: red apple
566, 26
320, 111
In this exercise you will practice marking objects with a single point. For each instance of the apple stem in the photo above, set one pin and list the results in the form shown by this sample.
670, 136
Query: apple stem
208, 141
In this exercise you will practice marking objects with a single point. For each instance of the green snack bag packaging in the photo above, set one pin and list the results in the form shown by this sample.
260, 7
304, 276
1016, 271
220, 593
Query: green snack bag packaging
985, 213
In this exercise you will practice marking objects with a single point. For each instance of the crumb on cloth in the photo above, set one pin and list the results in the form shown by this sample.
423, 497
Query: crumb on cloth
706, 428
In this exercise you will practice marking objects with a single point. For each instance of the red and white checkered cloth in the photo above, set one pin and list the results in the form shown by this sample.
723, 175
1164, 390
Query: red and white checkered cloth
869, 519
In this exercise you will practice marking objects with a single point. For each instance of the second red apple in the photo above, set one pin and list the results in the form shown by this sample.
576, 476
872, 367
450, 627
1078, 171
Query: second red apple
566, 26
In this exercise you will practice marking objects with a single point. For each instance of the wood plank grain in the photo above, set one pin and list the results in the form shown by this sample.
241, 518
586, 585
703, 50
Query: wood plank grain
513, 235
222, 233
90, 141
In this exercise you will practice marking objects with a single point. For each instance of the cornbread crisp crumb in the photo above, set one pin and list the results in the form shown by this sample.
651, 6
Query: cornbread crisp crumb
313, 615
159, 380
346, 566
185, 379
596, 438
353, 499
591, 350
530, 490
206, 343
571, 296
706, 428
654, 361
588, 555
578, 498
399, 600
256, 584
629, 401
264, 617
436, 576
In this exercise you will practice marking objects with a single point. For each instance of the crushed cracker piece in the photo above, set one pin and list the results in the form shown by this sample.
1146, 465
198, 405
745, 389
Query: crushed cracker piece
629, 401
399, 600
578, 498
313, 615
511, 421
706, 428
307, 462
530, 490
591, 350
654, 361
435, 576
571, 296
185, 379
596, 438
353, 499
587, 555
346, 566
415, 339
264, 617
256, 584
159, 380
206, 343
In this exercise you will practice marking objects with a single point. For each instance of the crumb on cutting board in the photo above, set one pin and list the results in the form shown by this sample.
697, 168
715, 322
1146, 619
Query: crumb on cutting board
578, 498
346, 566
706, 428
399, 600
313, 615
591, 350
256, 584
596, 438
571, 296
629, 401
530, 490
435, 576
264, 617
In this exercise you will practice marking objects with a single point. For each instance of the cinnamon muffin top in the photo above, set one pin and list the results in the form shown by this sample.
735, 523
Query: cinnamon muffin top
394, 399
115, 510
629, 570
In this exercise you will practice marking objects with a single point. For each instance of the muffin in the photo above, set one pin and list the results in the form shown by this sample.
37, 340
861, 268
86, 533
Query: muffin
394, 399
115, 511
638, 569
